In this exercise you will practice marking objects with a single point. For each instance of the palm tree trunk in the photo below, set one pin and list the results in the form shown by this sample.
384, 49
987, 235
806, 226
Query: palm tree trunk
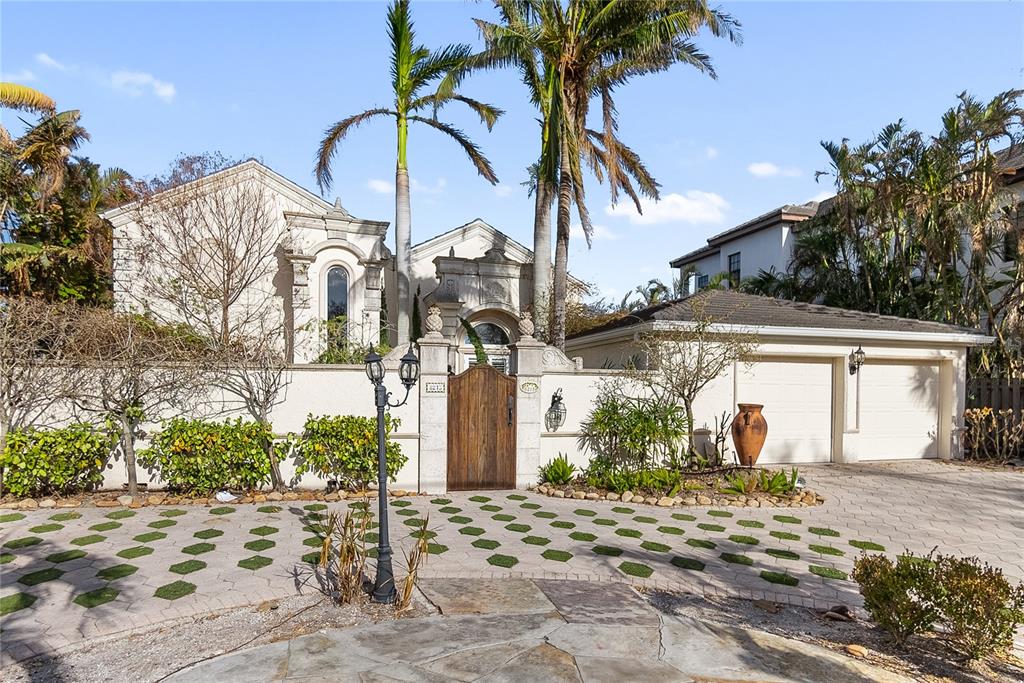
403, 234
542, 260
562, 249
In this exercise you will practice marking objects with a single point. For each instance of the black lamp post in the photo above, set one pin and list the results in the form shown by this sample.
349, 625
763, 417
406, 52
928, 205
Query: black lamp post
409, 372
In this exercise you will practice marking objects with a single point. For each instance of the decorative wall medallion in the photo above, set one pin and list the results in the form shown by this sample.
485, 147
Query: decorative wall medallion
435, 387
529, 387
434, 323
495, 293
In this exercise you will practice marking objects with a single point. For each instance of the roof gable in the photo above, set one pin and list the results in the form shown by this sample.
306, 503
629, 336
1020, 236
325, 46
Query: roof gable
476, 227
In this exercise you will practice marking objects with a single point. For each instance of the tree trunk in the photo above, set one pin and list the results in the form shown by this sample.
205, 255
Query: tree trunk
403, 264
128, 448
4, 429
276, 480
562, 249
688, 407
403, 234
542, 261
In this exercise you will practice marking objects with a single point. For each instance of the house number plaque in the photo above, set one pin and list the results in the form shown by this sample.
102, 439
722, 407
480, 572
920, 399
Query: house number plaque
529, 387
435, 387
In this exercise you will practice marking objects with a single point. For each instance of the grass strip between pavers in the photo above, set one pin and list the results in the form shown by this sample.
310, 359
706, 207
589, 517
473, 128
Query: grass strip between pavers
688, 563
827, 572
635, 569
779, 578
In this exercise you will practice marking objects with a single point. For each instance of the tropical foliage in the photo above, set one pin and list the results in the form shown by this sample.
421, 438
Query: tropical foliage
54, 244
922, 227
572, 54
413, 69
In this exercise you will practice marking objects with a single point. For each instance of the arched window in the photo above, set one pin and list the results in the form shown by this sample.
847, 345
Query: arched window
490, 335
337, 292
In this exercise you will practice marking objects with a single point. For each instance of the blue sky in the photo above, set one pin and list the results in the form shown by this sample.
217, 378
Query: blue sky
155, 80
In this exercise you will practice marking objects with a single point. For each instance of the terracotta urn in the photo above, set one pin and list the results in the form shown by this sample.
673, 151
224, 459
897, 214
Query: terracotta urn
749, 431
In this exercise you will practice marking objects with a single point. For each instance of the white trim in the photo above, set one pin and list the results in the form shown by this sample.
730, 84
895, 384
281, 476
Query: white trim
832, 334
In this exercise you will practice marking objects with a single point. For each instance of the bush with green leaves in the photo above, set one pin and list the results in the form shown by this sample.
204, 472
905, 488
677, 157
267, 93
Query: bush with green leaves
603, 474
197, 456
979, 608
897, 595
633, 434
772, 482
558, 471
344, 448
39, 462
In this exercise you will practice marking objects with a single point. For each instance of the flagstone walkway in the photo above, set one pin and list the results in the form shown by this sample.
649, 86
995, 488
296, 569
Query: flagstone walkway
69, 575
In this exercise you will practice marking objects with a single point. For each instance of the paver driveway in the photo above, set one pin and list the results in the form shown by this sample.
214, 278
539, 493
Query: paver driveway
71, 575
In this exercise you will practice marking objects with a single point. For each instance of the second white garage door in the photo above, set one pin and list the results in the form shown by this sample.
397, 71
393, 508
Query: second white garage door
797, 398
899, 412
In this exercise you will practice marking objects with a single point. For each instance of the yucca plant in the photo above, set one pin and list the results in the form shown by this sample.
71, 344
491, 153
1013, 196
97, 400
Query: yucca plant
343, 555
559, 471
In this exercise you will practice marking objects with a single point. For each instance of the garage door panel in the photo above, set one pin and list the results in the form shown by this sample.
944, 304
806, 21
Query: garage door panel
797, 399
898, 411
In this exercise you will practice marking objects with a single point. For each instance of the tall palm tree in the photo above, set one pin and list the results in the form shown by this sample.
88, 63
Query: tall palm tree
46, 147
413, 69
593, 47
22, 98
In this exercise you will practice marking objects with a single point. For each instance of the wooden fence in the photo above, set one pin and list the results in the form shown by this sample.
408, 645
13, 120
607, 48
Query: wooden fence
997, 393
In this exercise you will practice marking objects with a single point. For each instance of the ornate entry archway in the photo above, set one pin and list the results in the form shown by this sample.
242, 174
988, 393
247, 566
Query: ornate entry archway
481, 430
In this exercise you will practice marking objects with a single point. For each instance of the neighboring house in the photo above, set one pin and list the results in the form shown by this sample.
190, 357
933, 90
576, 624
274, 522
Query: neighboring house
329, 264
766, 242
762, 243
906, 401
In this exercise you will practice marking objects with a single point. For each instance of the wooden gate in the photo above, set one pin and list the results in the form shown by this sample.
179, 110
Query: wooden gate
481, 430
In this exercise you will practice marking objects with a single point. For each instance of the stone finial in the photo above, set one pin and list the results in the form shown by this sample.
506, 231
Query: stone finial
434, 323
526, 326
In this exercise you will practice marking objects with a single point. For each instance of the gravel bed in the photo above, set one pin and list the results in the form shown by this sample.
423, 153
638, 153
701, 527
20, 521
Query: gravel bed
925, 658
151, 654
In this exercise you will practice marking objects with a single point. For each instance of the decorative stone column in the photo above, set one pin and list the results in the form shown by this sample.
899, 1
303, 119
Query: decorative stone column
303, 315
529, 365
433, 427
371, 303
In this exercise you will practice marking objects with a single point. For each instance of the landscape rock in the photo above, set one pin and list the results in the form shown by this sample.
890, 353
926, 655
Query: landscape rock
627, 496
651, 500
399, 493
753, 503
558, 493
579, 495
259, 498
48, 503
69, 503
593, 496
857, 650
666, 502
125, 500
612, 496
28, 504
703, 500
155, 499
275, 496
11, 505
103, 503
291, 495
542, 489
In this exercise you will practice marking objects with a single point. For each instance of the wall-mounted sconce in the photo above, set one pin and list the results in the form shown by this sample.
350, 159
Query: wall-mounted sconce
856, 360
555, 415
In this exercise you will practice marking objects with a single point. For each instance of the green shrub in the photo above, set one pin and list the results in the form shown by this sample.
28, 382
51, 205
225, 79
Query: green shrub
897, 595
978, 606
558, 471
39, 462
603, 474
344, 448
633, 433
200, 456
772, 482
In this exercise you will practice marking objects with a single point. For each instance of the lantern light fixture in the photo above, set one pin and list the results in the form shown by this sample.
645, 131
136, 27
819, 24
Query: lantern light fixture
555, 415
856, 360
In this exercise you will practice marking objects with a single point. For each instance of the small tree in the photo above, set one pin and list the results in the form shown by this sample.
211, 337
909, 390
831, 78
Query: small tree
206, 250
255, 371
134, 369
33, 374
675, 366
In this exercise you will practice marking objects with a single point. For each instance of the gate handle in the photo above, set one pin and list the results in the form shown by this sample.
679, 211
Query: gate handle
511, 404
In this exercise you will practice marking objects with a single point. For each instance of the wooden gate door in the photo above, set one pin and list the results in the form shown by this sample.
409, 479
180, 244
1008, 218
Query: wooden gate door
481, 430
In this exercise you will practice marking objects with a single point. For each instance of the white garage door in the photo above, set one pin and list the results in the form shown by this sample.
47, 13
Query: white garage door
797, 398
899, 411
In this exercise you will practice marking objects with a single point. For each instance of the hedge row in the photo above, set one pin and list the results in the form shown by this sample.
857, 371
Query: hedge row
199, 456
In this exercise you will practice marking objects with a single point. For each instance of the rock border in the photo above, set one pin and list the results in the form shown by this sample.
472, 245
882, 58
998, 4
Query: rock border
158, 498
804, 498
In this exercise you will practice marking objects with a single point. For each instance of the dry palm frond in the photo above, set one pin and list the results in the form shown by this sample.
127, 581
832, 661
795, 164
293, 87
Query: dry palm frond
413, 559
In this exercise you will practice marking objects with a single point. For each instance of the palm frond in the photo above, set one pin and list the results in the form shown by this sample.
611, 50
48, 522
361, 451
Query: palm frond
334, 135
24, 98
483, 166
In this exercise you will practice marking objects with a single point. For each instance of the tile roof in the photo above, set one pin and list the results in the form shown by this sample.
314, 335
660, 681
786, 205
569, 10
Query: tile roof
751, 310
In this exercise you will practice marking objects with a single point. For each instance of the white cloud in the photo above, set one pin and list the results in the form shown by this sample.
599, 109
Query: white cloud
23, 76
503, 190
50, 63
694, 207
766, 169
436, 188
380, 186
136, 83
598, 232
821, 196
710, 152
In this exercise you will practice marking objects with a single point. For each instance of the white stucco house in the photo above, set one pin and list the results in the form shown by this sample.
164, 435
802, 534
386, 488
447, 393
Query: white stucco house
906, 401
328, 264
